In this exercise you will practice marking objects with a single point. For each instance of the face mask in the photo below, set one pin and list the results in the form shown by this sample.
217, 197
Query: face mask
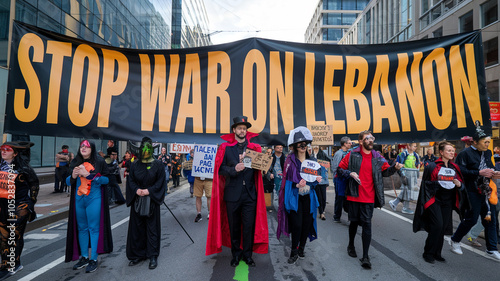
147, 151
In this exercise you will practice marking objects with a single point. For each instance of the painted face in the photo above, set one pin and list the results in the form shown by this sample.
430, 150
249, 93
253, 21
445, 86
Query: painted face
367, 142
8, 153
240, 131
482, 144
448, 152
147, 150
302, 146
85, 149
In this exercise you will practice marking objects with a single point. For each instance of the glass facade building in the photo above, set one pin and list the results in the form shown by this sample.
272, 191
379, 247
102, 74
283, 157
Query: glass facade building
141, 24
331, 19
189, 24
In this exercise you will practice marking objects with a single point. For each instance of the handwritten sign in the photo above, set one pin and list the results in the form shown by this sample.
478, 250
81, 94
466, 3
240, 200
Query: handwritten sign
187, 165
310, 170
322, 134
258, 161
182, 148
204, 160
325, 164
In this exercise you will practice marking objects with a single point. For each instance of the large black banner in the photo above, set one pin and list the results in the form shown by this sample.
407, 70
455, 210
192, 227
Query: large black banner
415, 91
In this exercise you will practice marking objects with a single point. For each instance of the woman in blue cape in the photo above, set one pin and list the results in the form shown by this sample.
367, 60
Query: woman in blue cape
88, 219
298, 201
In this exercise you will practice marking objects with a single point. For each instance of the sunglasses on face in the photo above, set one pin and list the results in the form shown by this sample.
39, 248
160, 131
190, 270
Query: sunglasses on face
6, 148
369, 138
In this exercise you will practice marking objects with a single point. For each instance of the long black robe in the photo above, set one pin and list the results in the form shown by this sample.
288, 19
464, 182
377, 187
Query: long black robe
144, 233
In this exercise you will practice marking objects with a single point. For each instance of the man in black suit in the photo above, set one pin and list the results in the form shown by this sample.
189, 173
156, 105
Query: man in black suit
240, 193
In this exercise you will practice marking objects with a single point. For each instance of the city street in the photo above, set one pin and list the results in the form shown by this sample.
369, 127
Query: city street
396, 252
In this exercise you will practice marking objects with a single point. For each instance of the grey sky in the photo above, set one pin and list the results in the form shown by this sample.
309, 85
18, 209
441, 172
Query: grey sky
284, 20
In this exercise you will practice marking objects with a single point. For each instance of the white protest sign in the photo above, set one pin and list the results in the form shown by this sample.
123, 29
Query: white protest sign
310, 170
182, 148
204, 161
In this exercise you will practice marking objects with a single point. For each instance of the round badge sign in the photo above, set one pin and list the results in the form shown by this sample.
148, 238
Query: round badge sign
310, 170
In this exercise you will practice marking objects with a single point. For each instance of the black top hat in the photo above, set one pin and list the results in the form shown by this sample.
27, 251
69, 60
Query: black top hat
299, 137
19, 144
241, 120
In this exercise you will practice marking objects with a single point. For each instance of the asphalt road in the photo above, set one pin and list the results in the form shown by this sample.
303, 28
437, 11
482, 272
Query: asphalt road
396, 252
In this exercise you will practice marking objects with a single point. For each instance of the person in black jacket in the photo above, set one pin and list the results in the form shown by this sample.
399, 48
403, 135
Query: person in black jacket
17, 208
477, 168
323, 185
365, 190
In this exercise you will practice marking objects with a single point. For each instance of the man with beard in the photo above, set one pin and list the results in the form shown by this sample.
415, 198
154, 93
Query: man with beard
243, 198
365, 190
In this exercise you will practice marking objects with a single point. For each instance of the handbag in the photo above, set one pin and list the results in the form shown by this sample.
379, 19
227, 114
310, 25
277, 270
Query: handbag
142, 206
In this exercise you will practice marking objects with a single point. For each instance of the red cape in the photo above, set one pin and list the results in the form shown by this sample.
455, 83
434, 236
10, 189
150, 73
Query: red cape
218, 227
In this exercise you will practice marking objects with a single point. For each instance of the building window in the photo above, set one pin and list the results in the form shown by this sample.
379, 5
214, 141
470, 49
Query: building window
490, 51
437, 33
489, 12
425, 6
492, 88
466, 22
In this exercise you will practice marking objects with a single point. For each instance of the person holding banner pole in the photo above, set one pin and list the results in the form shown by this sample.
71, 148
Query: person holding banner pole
238, 203
364, 190
18, 196
298, 201
145, 193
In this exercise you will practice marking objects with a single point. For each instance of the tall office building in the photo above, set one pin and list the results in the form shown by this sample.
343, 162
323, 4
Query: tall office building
331, 19
189, 24
144, 24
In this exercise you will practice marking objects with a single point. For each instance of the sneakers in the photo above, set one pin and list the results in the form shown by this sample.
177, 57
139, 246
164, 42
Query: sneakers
293, 259
407, 211
455, 247
301, 254
474, 242
91, 267
336, 220
5, 273
393, 206
494, 254
198, 218
82, 262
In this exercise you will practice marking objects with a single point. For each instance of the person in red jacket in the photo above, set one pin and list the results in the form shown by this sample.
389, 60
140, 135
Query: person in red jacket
238, 206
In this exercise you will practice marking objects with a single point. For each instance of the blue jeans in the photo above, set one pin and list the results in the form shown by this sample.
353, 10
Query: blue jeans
88, 218
478, 207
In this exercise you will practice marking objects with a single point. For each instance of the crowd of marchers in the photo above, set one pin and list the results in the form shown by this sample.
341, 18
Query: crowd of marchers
239, 196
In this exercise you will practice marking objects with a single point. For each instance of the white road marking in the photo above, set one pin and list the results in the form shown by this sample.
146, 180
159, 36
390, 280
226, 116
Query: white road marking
53, 264
446, 238
44, 236
59, 224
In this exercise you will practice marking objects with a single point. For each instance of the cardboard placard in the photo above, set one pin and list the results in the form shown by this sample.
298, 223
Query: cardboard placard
322, 134
325, 164
187, 165
258, 161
